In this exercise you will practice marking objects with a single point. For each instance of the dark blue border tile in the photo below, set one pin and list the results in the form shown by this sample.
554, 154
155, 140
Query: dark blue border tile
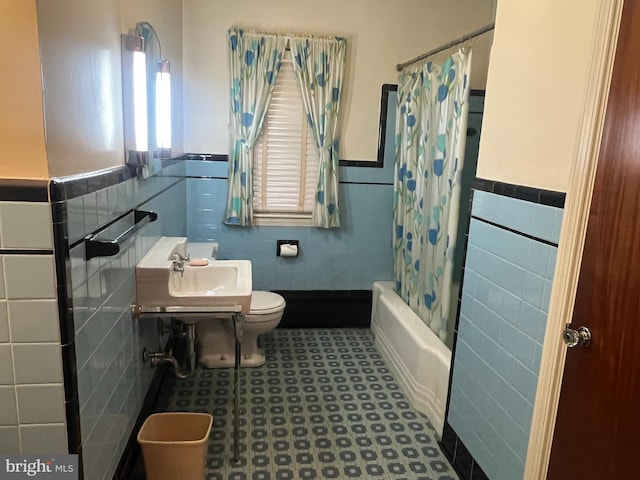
206, 157
463, 461
477, 473
72, 404
457, 453
17, 190
530, 194
218, 157
527, 193
326, 308
66, 188
448, 442
553, 199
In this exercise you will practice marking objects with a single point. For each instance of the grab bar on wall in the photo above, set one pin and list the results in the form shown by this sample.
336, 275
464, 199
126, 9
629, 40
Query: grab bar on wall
99, 247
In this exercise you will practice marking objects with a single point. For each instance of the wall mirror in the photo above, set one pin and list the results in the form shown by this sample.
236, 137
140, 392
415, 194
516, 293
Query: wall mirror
146, 90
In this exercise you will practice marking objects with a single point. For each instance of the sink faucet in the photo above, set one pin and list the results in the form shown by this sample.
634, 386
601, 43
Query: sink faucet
177, 262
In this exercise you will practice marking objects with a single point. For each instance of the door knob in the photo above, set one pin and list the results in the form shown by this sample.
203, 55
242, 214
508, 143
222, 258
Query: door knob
581, 336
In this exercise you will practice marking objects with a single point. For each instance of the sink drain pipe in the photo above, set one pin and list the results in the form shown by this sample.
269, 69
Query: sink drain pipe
138, 311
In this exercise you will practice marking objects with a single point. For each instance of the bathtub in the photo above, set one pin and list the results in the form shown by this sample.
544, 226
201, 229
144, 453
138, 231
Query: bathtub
418, 359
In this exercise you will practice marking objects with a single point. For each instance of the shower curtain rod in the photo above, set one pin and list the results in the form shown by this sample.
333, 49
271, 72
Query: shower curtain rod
453, 43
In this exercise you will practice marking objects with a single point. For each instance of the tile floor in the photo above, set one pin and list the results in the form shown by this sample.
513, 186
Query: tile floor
323, 406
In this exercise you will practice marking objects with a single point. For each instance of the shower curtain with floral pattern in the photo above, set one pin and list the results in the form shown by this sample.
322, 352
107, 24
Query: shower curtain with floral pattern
431, 126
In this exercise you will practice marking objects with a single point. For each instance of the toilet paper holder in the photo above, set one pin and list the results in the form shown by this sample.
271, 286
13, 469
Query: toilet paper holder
287, 248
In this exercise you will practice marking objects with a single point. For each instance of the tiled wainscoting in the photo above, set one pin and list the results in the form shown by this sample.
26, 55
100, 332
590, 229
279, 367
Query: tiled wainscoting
509, 268
111, 379
32, 407
351, 257
329, 283
74, 380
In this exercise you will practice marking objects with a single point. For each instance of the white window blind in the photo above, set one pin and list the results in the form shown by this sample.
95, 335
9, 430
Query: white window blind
285, 159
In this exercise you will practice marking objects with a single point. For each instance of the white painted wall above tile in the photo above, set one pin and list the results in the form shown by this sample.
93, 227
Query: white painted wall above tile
379, 33
22, 137
81, 70
531, 124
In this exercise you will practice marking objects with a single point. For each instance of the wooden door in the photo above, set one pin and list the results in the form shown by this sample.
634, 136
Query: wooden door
597, 434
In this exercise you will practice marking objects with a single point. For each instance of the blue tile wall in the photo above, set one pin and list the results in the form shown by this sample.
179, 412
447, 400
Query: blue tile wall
534, 219
112, 381
505, 300
348, 258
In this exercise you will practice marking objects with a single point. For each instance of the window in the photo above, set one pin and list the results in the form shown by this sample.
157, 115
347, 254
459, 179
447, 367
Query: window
285, 158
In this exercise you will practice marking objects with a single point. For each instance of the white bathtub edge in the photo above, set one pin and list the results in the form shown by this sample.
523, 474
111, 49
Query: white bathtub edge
417, 358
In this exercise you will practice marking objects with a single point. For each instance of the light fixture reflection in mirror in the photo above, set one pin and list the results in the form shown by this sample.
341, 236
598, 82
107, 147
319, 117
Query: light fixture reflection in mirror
163, 108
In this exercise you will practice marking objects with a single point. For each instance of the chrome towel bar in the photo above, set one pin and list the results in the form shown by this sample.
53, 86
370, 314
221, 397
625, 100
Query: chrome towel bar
98, 247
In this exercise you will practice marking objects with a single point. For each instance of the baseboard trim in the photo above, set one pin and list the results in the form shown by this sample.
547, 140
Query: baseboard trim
457, 453
326, 308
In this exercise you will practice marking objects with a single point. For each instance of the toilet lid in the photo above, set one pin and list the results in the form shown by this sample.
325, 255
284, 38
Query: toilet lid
261, 301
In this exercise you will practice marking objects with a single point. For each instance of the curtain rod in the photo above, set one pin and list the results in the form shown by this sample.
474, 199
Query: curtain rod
453, 43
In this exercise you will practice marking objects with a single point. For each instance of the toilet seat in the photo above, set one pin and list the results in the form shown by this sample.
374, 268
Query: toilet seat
264, 303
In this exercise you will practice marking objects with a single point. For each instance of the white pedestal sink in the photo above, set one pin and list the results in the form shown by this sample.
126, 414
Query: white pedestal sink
221, 287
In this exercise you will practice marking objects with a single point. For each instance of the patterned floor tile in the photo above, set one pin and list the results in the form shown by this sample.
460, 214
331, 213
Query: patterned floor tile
323, 406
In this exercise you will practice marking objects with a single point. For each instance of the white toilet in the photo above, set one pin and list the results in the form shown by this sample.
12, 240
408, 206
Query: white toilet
216, 339
215, 336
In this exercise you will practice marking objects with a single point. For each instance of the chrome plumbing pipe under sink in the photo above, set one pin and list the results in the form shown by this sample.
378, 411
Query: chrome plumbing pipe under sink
177, 330
158, 358
238, 323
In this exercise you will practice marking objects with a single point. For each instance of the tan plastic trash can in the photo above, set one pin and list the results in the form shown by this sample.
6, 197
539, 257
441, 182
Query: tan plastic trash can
174, 445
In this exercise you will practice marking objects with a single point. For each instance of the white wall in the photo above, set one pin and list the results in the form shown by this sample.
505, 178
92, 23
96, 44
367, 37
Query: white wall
22, 150
380, 34
535, 91
80, 48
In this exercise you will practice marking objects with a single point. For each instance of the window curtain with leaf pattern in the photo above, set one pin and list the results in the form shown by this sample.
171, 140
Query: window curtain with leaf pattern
254, 62
431, 126
319, 65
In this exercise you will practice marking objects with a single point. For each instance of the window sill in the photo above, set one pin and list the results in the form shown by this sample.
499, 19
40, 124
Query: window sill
282, 220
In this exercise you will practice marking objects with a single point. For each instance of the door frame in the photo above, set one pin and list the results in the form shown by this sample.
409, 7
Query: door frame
572, 237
